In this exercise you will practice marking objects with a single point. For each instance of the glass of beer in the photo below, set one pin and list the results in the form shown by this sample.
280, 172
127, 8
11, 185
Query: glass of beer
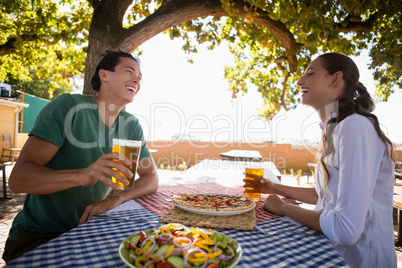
254, 173
130, 149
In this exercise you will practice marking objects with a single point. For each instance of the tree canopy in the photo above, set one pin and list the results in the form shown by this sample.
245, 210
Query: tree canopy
43, 44
272, 40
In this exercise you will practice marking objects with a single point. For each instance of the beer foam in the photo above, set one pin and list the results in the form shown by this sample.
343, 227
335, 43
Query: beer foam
128, 143
254, 165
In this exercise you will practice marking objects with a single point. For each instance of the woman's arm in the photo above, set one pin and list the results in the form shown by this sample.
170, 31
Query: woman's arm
303, 194
276, 205
307, 217
31, 176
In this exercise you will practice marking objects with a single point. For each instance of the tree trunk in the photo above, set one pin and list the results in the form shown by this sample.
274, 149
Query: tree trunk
106, 31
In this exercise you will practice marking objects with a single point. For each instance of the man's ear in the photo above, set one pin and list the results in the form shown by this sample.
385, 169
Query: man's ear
103, 75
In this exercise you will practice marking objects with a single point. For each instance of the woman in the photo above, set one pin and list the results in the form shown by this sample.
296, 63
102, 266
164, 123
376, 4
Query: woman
354, 175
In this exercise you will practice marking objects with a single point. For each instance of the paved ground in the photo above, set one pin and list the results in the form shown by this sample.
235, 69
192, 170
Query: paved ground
10, 207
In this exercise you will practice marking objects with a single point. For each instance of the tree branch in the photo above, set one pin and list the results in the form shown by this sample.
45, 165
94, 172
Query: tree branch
9, 46
284, 90
279, 61
91, 2
354, 25
169, 14
284, 84
175, 12
278, 29
59, 55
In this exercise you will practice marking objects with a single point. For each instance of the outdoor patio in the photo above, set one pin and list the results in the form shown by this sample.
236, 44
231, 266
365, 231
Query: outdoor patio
10, 207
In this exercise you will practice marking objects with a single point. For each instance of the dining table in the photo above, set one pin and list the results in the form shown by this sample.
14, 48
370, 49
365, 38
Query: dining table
274, 242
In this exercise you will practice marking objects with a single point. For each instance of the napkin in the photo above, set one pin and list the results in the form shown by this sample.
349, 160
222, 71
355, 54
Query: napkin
129, 205
269, 175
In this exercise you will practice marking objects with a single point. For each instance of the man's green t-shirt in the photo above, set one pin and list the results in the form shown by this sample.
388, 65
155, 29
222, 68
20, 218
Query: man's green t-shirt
72, 122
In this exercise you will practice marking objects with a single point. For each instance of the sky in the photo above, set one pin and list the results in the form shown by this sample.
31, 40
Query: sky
191, 101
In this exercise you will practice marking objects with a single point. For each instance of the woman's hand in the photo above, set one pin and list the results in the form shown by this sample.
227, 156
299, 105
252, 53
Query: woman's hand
267, 186
274, 204
111, 201
107, 164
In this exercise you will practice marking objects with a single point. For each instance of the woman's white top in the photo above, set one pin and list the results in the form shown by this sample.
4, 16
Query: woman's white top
356, 203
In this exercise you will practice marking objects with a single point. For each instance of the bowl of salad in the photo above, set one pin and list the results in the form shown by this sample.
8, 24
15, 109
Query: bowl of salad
174, 245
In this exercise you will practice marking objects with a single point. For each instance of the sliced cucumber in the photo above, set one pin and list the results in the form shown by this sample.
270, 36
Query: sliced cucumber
162, 250
176, 261
134, 239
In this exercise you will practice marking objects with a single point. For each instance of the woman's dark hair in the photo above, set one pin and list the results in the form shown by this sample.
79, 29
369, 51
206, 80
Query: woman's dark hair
110, 59
355, 99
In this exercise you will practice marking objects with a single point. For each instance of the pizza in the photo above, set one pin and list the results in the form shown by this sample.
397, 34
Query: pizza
213, 202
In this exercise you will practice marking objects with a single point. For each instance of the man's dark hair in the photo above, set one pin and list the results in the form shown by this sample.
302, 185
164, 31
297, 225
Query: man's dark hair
109, 61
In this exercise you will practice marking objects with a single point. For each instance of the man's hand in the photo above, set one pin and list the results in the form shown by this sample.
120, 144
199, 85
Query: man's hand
106, 165
101, 207
146, 183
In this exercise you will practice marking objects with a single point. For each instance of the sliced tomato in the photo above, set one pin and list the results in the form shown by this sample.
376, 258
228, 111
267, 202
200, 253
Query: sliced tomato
164, 264
133, 247
213, 265
179, 233
142, 238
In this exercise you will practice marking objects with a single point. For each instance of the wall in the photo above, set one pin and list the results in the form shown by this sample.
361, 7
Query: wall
398, 154
283, 155
29, 114
7, 125
174, 153
21, 139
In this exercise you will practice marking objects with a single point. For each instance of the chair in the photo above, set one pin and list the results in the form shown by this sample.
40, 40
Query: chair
8, 151
310, 169
3, 169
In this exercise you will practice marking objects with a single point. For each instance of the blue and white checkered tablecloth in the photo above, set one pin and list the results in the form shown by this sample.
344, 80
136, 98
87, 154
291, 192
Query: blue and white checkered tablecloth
95, 244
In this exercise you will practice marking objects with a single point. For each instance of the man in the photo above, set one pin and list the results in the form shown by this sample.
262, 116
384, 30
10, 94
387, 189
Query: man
67, 162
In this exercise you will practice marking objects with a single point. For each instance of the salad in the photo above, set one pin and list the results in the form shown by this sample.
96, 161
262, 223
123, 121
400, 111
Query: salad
177, 246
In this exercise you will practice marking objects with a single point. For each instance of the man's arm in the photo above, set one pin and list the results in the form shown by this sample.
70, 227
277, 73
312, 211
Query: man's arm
31, 176
147, 183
